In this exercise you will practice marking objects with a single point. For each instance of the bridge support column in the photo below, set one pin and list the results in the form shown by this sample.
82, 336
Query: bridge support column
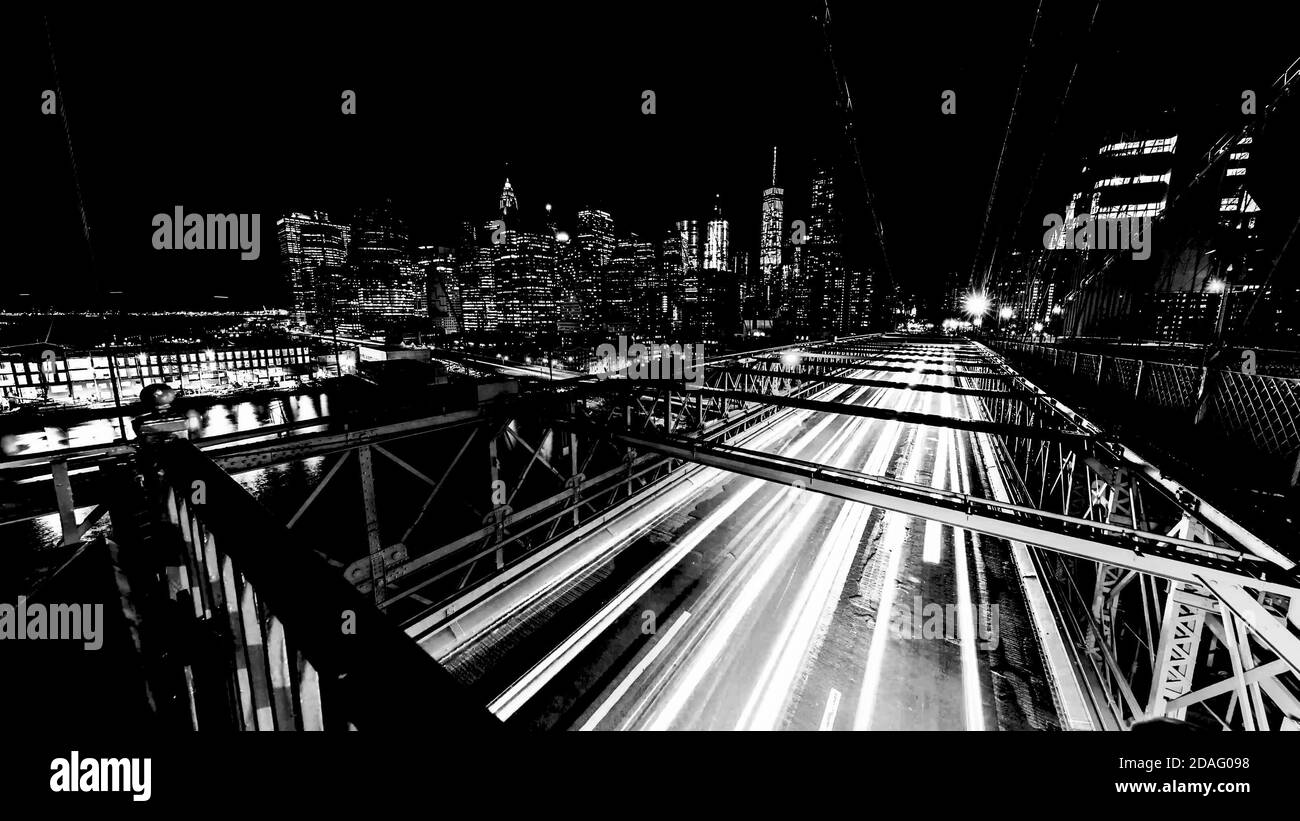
494, 467
376, 547
1180, 641
67, 509
573, 470
1109, 584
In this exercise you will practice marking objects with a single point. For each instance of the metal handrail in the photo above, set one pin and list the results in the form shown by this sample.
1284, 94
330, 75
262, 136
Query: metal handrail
380, 678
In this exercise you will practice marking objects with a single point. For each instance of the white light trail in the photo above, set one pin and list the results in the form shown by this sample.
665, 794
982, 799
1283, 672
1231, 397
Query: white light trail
970, 673
892, 546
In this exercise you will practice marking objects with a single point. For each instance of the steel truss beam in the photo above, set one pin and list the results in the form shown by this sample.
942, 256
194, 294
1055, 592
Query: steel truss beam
803, 376
1163, 556
848, 362
907, 417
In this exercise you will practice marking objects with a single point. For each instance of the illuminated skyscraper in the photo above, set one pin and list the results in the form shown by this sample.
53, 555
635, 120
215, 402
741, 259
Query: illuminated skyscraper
389, 285
443, 288
508, 205
335, 307
693, 259
1126, 177
717, 245
824, 226
718, 305
307, 242
769, 257
379, 236
796, 289
631, 273
476, 274
739, 267
525, 281
568, 308
670, 282
595, 247
390, 290
830, 292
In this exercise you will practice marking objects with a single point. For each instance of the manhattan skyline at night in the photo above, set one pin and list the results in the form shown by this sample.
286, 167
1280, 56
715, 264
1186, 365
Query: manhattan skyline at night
560, 113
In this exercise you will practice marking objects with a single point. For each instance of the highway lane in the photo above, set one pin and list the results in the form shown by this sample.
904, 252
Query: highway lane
793, 610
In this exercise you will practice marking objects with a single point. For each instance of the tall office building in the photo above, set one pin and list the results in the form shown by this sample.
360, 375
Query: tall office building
1242, 260
769, 257
795, 289
1215, 285
595, 248
379, 235
307, 242
672, 281
568, 307
336, 303
1128, 176
741, 276
476, 274
824, 223
629, 278
717, 244
526, 282
508, 205
468, 236
389, 285
388, 291
831, 295
693, 259
443, 289
716, 302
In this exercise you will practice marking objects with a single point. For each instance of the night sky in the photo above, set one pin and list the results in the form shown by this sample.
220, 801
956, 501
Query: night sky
223, 111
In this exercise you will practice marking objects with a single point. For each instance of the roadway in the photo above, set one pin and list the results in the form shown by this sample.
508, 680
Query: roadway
762, 606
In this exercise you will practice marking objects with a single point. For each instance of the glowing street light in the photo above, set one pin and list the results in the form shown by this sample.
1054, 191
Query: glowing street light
1216, 286
1038, 327
977, 304
1004, 313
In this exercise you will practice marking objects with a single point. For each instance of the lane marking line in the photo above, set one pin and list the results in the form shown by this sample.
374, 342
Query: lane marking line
630, 678
832, 706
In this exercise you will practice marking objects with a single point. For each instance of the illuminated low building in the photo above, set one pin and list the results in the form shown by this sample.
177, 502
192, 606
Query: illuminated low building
86, 377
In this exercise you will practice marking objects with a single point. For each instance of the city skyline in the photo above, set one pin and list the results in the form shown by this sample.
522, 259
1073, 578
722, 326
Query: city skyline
571, 130
536, 270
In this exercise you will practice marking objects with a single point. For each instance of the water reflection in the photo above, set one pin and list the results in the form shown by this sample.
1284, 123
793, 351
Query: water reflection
287, 481
215, 420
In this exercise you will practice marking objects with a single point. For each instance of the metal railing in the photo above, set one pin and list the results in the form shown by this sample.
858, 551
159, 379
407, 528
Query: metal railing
1260, 411
1133, 632
273, 637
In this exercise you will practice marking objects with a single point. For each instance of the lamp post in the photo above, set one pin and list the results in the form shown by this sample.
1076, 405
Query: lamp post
977, 305
1220, 287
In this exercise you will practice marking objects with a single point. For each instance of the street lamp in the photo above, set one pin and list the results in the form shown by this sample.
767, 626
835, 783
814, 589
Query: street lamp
977, 304
1220, 287
1005, 313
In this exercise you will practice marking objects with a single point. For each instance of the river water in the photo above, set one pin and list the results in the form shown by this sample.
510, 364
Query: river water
286, 480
